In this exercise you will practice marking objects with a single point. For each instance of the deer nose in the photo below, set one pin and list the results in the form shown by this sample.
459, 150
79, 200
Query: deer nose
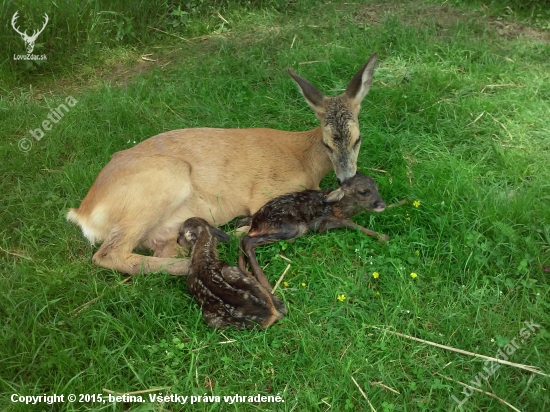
380, 205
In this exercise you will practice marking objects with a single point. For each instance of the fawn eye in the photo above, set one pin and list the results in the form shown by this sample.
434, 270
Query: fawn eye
328, 147
357, 142
364, 192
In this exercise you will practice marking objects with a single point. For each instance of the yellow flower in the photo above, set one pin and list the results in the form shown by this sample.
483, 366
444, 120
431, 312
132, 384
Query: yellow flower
303, 283
285, 284
341, 297
416, 203
375, 275
414, 275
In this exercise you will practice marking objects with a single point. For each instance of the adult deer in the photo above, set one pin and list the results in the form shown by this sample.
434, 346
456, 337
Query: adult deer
145, 193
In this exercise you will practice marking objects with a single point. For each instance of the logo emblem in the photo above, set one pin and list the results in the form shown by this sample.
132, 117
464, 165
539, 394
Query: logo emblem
29, 40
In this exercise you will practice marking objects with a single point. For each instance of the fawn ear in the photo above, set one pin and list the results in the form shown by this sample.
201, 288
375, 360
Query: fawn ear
219, 234
335, 195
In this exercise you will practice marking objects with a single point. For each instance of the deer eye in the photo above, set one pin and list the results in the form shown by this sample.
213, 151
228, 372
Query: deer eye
328, 147
363, 192
357, 142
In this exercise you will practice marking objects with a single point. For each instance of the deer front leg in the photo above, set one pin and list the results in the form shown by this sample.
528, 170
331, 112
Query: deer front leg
323, 224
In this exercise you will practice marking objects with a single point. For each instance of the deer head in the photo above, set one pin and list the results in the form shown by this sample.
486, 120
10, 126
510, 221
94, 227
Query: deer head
339, 118
29, 40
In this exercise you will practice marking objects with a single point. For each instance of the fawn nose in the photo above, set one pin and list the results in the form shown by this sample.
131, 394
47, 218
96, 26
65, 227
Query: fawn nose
380, 205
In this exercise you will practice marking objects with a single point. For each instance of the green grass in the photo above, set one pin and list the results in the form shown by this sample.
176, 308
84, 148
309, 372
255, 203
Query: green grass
79, 33
478, 240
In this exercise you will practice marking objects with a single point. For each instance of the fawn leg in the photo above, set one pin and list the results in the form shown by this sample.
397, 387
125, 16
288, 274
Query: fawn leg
248, 244
243, 226
324, 224
244, 222
242, 259
243, 262
279, 305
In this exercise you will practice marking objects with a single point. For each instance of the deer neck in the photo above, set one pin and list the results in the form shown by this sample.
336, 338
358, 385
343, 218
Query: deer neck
315, 155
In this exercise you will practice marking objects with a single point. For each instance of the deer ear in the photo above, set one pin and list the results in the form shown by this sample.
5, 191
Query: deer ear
359, 86
313, 96
219, 234
335, 195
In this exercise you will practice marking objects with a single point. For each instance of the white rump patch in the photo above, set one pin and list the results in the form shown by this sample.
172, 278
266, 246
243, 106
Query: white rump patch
89, 233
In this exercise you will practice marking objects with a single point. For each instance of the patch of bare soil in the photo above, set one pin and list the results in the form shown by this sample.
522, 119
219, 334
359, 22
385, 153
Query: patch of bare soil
374, 13
121, 73
512, 30
118, 71
410, 13
415, 13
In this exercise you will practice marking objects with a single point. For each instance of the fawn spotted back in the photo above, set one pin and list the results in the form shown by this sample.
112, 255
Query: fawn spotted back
228, 295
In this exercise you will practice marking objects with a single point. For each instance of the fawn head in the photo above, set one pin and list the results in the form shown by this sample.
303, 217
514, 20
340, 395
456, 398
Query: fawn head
192, 229
356, 194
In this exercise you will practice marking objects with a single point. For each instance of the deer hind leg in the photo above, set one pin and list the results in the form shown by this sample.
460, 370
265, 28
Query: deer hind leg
169, 249
116, 253
241, 231
142, 212
248, 244
242, 260
279, 305
273, 317
243, 226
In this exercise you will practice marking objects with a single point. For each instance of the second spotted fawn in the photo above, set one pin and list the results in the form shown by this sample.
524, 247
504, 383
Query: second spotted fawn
294, 214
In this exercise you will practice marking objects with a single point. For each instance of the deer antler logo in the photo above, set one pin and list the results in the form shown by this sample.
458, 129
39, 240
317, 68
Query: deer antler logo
29, 40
